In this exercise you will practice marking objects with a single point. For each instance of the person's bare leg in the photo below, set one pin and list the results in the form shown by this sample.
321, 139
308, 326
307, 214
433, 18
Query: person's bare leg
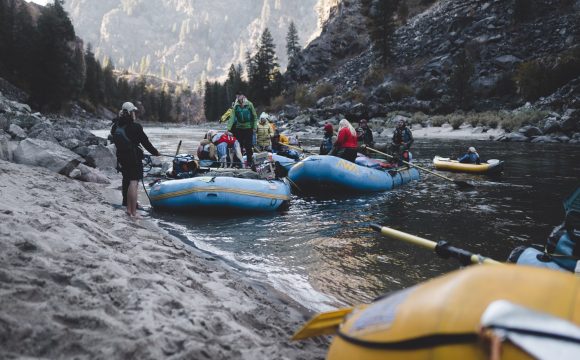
132, 198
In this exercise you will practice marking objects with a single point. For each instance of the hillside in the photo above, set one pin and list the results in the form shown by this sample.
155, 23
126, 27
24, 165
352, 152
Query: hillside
186, 39
498, 42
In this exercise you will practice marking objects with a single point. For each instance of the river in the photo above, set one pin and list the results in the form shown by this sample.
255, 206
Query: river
322, 253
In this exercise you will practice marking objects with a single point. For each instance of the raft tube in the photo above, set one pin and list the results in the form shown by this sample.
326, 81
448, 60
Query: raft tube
220, 194
325, 173
441, 318
490, 167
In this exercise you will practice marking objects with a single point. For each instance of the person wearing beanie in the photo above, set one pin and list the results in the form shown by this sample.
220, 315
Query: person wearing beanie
471, 157
327, 140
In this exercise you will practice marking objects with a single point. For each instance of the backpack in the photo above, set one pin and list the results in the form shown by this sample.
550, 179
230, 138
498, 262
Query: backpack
243, 114
184, 166
127, 150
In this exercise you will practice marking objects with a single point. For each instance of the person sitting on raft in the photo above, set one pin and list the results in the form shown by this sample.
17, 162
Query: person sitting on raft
327, 140
207, 151
229, 151
365, 134
471, 157
346, 142
279, 142
264, 134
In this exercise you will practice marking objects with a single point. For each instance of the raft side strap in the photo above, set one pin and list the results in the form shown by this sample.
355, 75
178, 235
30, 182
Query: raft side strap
536, 333
414, 343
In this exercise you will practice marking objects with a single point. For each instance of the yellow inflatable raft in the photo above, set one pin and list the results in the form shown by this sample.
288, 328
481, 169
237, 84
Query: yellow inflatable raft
443, 318
490, 167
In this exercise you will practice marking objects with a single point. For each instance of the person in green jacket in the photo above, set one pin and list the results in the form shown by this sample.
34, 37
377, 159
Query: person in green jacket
243, 123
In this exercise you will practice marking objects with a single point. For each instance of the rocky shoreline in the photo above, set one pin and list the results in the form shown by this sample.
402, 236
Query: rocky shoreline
79, 279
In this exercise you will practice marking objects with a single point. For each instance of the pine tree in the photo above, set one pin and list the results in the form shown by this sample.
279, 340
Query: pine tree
380, 25
265, 67
292, 42
60, 74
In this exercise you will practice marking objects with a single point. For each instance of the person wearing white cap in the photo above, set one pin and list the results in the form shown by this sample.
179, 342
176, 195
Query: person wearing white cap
471, 157
264, 133
128, 137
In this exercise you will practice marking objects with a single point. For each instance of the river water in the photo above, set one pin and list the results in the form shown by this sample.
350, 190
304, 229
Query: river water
322, 253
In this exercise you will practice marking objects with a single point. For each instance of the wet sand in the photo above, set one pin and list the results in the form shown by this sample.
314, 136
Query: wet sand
80, 279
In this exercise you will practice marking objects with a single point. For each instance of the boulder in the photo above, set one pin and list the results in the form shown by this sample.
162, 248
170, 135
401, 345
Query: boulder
516, 137
290, 112
544, 139
5, 148
17, 132
570, 120
563, 139
88, 174
416, 127
28, 121
101, 157
70, 143
551, 125
530, 131
46, 154
507, 61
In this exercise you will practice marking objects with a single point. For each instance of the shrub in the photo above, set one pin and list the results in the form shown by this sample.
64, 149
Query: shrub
303, 98
531, 79
375, 76
438, 120
356, 96
456, 121
521, 118
419, 118
426, 91
278, 103
400, 91
323, 90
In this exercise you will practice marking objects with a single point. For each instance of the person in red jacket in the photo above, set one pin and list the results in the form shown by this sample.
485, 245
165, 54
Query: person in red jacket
346, 142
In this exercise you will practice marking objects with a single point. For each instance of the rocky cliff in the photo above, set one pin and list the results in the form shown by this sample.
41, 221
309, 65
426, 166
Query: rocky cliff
495, 35
189, 39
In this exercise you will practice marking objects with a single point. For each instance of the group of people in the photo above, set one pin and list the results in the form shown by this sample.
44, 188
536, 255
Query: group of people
244, 132
349, 142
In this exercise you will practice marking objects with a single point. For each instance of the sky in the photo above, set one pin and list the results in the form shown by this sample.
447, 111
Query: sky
41, 2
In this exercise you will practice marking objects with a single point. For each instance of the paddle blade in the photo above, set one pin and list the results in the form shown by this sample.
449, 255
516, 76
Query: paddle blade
325, 323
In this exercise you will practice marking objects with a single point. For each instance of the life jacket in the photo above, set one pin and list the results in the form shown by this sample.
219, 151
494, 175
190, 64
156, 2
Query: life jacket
203, 152
401, 136
127, 150
326, 145
563, 244
227, 138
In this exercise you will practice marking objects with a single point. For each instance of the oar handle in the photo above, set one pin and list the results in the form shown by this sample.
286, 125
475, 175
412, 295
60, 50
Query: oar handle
441, 248
411, 164
178, 147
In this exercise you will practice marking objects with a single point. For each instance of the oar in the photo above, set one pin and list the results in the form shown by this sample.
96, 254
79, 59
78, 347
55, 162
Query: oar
461, 184
298, 148
178, 147
325, 323
441, 248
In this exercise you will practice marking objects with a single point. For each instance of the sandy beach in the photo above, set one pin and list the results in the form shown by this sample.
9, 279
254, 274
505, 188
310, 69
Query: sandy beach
79, 279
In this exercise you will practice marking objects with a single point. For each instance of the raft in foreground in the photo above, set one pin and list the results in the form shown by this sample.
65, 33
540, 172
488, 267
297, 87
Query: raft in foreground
490, 167
442, 318
220, 194
324, 173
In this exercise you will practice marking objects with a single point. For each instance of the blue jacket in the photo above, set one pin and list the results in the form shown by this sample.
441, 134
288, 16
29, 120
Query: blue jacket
470, 158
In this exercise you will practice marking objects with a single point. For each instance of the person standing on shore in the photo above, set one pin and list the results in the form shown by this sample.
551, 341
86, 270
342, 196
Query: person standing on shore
346, 142
128, 137
243, 123
264, 134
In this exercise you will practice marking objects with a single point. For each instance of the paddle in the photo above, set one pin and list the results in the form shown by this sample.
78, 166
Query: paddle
461, 184
299, 148
178, 147
441, 248
323, 324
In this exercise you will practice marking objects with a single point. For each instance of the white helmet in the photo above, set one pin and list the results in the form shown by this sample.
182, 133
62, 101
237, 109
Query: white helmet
129, 107
471, 149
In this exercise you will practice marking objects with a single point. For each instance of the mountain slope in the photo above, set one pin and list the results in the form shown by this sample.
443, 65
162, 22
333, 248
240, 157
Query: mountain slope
190, 39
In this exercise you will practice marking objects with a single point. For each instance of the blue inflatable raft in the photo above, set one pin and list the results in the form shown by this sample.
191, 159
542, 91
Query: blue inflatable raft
220, 194
324, 173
